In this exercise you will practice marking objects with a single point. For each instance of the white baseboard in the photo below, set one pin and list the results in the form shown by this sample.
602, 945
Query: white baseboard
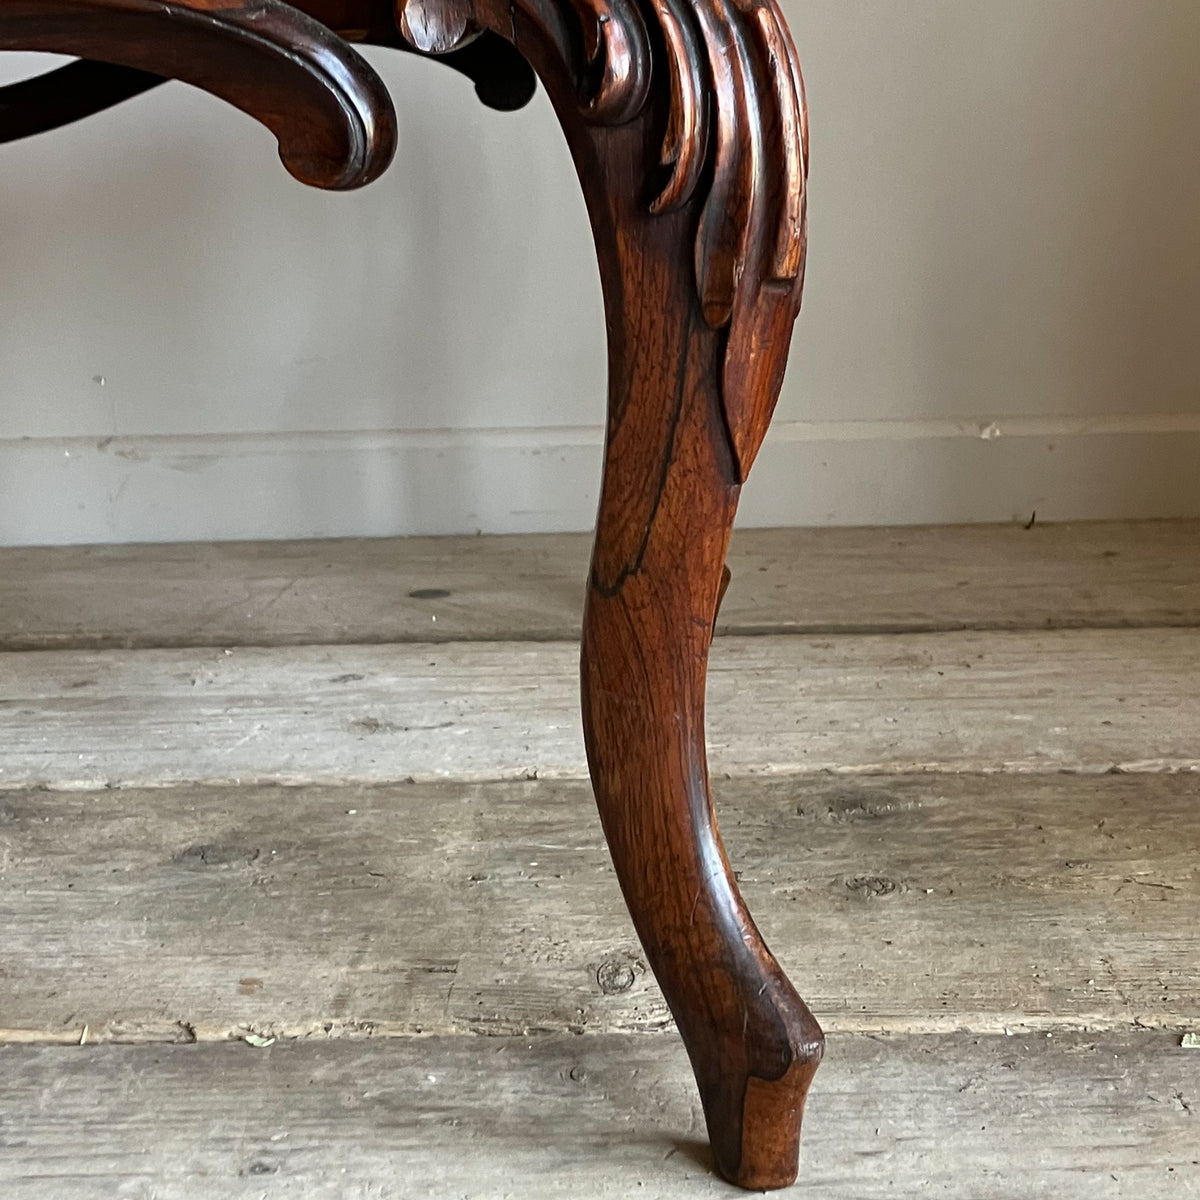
298, 485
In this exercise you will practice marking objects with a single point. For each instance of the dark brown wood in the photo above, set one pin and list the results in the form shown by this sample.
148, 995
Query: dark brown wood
503, 81
686, 122
327, 107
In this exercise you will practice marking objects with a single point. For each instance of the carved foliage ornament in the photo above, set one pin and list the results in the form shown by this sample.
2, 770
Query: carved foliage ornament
736, 147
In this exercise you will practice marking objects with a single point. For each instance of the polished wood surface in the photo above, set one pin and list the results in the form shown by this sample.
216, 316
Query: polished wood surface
693, 171
328, 109
686, 121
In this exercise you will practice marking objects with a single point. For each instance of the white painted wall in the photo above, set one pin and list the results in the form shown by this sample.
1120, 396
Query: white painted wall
1005, 238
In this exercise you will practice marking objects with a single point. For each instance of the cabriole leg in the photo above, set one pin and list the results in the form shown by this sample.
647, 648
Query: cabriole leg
686, 122
651, 604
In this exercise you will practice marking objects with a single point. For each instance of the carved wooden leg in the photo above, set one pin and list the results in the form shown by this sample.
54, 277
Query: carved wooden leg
651, 605
669, 494
685, 118
686, 122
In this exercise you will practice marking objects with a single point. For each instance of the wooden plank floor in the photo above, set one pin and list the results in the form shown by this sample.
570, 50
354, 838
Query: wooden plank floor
1080, 700
258, 792
530, 588
914, 904
1007, 1118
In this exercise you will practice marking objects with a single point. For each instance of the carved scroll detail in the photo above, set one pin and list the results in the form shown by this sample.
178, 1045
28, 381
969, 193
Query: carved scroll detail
735, 147
329, 111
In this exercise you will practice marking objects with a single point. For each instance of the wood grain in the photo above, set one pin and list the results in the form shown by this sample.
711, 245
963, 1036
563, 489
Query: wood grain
1073, 1117
1087, 700
530, 588
902, 904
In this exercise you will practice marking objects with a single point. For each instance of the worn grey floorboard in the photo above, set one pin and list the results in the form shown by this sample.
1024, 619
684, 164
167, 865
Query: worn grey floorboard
1080, 700
1068, 1117
901, 903
1100, 574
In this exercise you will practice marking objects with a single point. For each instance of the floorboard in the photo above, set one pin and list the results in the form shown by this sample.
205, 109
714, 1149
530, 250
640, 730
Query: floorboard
1067, 1117
896, 903
927, 578
1082, 700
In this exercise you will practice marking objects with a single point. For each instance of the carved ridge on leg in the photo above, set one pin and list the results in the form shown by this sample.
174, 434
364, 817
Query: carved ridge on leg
685, 119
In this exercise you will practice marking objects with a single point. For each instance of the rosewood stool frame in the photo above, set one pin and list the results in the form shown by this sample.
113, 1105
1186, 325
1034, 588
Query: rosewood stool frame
686, 121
